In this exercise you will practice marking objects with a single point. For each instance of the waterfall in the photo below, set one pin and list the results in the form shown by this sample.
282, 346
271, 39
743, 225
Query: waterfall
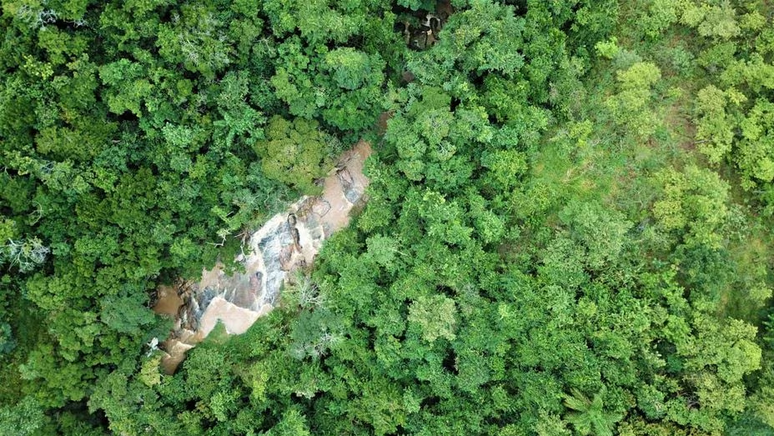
288, 241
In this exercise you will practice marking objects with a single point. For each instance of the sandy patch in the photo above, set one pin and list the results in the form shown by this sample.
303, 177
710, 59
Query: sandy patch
344, 188
169, 302
236, 319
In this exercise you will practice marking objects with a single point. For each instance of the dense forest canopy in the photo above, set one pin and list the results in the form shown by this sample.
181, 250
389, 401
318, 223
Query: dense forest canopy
567, 231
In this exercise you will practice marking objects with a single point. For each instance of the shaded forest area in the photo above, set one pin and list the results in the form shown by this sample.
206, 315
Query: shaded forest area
567, 233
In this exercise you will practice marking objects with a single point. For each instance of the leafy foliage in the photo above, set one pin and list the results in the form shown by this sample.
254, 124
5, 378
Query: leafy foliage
555, 241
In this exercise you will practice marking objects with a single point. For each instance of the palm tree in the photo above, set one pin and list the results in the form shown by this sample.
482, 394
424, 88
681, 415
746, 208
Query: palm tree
588, 416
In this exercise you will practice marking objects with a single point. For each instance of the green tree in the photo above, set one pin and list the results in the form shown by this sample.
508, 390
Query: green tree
631, 106
755, 155
716, 20
293, 423
295, 153
7, 342
22, 419
434, 316
694, 203
588, 416
715, 129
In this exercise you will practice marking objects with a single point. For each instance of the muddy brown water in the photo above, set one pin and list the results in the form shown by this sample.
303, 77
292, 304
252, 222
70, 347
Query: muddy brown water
288, 241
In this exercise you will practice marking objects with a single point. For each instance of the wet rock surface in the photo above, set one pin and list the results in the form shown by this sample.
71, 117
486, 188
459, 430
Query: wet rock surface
288, 241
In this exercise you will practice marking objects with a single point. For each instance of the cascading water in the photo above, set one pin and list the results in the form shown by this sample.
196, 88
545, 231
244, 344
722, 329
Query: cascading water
288, 241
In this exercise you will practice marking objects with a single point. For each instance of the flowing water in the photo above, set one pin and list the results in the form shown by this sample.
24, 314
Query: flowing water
288, 241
